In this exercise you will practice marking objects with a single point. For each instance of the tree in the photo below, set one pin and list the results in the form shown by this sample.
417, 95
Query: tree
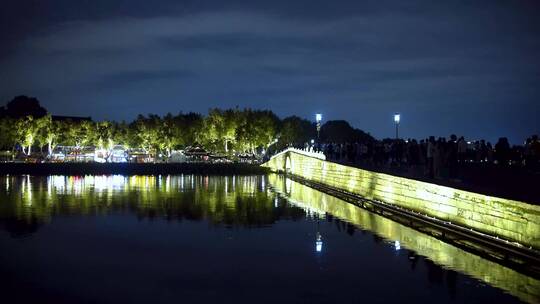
146, 132
256, 129
104, 136
296, 131
210, 134
123, 135
22, 106
220, 127
229, 127
48, 132
80, 134
266, 124
26, 132
168, 133
339, 131
188, 129
8, 134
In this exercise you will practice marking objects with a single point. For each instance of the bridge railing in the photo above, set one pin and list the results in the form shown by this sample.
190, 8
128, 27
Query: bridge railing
306, 152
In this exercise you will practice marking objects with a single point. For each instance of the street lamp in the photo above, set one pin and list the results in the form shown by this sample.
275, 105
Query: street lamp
318, 118
397, 118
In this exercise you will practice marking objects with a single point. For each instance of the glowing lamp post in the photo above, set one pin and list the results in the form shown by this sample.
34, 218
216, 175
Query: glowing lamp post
318, 118
397, 118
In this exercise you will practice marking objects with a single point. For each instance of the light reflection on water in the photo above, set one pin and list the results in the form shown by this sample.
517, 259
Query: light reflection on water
237, 202
517, 284
222, 200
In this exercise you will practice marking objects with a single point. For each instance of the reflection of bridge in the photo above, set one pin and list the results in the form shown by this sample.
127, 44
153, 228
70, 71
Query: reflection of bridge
513, 225
524, 287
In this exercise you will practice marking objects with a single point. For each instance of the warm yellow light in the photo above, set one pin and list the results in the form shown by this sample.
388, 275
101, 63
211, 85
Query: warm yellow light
512, 220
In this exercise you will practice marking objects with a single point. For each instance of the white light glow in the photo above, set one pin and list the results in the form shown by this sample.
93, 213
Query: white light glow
397, 117
318, 117
318, 246
318, 243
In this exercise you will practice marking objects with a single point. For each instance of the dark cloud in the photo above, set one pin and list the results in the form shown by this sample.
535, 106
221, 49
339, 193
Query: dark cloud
464, 67
142, 76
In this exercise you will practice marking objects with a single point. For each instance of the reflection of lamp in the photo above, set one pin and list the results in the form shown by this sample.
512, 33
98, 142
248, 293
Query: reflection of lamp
318, 238
318, 118
318, 242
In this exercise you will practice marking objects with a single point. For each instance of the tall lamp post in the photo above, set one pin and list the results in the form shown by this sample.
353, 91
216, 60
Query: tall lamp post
318, 118
397, 117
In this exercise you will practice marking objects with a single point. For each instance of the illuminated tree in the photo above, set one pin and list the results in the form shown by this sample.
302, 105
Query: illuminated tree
256, 129
209, 135
168, 133
26, 132
220, 127
49, 132
221, 130
81, 133
104, 137
123, 135
228, 128
265, 124
147, 133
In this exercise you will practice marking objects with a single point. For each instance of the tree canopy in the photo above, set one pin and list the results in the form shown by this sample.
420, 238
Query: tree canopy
339, 131
25, 124
22, 106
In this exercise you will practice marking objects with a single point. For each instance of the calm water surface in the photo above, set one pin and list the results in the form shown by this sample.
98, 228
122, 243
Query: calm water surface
234, 239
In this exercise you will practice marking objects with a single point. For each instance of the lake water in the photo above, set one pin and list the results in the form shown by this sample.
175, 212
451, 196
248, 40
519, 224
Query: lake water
224, 239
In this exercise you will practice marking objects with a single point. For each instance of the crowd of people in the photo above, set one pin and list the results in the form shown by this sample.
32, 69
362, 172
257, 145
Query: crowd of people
434, 158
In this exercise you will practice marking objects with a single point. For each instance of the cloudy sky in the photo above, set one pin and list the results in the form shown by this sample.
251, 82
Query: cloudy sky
464, 67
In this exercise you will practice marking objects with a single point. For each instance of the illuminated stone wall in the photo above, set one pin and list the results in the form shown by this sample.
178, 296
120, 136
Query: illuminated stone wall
509, 219
525, 288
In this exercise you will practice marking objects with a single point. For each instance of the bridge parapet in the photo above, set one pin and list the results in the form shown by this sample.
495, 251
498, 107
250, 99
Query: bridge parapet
285, 160
509, 219
304, 152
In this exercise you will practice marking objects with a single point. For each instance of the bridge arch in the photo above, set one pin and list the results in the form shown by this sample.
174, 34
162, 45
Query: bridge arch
288, 163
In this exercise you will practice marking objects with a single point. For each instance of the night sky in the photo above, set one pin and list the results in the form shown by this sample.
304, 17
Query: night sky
465, 67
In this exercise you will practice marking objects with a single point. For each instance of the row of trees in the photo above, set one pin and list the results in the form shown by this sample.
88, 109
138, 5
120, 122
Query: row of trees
25, 125
220, 130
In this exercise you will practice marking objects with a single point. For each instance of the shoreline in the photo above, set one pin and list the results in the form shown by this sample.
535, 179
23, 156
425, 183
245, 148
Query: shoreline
81, 169
130, 168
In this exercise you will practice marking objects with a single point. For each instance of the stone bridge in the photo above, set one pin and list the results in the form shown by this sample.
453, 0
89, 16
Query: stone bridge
512, 220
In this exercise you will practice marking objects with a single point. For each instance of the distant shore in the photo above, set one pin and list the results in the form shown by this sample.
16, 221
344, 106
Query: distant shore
508, 184
130, 168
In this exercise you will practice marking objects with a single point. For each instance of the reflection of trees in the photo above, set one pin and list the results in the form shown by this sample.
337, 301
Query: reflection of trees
232, 201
